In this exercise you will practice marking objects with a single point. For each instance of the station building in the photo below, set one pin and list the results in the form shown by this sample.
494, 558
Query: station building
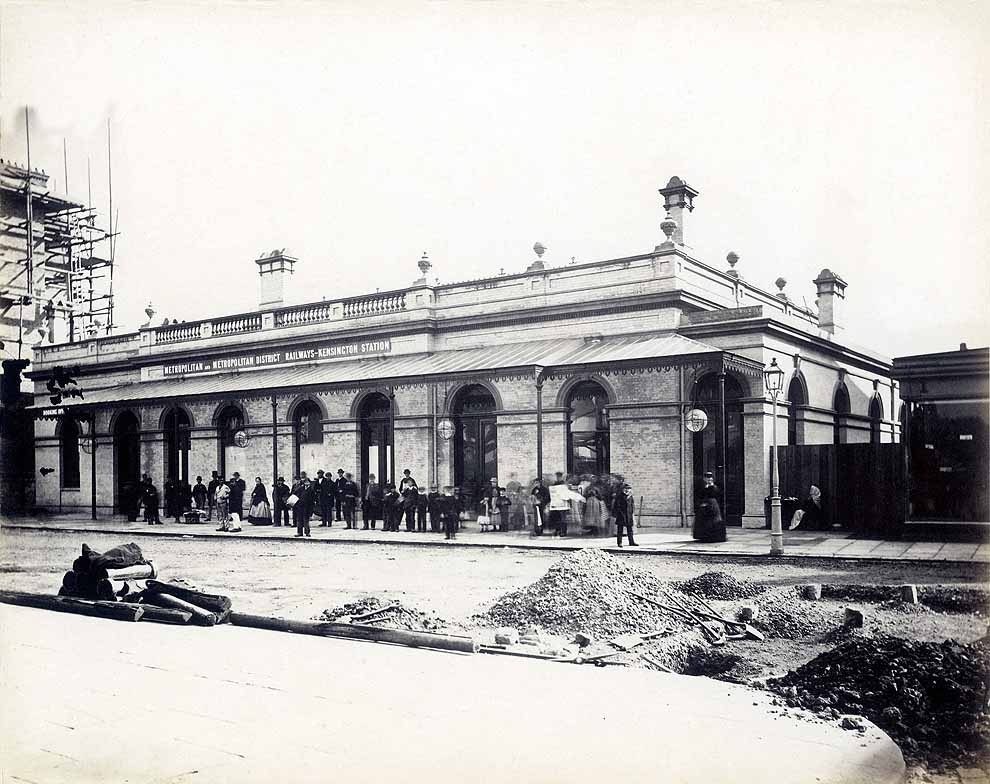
593, 366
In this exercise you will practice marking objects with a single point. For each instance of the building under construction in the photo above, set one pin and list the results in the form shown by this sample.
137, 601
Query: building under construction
56, 285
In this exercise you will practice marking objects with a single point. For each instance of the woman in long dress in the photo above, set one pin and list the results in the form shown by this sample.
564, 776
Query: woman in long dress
709, 526
260, 512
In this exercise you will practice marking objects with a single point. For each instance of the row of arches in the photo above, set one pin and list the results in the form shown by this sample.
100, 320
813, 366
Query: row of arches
797, 395
474, 444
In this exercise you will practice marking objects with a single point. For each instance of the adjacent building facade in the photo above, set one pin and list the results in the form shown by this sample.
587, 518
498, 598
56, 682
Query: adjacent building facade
593, 367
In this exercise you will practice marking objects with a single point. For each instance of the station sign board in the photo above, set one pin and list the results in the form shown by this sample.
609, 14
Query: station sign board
266, 359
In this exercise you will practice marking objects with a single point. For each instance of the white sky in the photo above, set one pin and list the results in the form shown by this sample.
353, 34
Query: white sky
358, 135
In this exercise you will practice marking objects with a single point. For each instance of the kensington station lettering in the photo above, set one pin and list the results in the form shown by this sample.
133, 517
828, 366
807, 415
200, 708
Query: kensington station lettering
335, 351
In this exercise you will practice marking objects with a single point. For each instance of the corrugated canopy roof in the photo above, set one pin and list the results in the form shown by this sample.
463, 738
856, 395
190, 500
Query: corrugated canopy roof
550, 353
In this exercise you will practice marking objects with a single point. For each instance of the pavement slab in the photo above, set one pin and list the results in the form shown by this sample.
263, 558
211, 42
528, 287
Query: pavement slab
742, 542
92, 700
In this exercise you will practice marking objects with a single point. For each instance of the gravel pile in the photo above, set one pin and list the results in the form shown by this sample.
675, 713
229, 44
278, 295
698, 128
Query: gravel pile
585, 591
950, 599
784, 614
721, 586
400, 618
931, 698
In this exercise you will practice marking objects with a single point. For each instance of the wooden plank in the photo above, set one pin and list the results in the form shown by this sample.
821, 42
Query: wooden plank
412, 639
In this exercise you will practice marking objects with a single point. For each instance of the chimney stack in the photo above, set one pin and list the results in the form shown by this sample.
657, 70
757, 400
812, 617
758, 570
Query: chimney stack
831, 292
273, 270
678, 200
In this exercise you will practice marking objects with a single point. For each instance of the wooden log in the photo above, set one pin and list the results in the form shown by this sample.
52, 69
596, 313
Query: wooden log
220, 605
200, 616
164, 614
138, 572
118, 611
443, 642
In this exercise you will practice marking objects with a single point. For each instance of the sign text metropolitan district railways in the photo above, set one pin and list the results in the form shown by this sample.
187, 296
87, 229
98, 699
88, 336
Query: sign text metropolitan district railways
271, 358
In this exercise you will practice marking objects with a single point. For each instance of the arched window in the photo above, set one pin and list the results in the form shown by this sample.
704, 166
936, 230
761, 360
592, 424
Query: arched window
876, 415
68, 442
840, 405
795, 396
307, 424
588, 430
229, 422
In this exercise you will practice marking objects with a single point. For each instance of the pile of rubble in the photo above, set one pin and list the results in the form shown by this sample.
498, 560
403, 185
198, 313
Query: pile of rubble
371, 611
785, 614
720, 586
586, 591
931, 698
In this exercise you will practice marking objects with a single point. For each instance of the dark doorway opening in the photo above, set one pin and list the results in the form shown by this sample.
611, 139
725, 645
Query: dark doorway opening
722, 444
376, 438
126, 456
475, 443
176, 429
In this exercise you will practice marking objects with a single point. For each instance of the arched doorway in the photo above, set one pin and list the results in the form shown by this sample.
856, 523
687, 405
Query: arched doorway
126, 455
175, 427
840, 405
587, 429
376, 438
229, 421
475, 442
307, 425
711, 443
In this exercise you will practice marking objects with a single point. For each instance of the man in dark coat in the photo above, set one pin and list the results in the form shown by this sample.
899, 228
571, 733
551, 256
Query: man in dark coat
211, 493
129, 500
236, 500
171, 498
338, 498
327, 493
349, 499
151, 501
280, 493
623, 508
541, 499
421, 508
200, 493
448, 512
303, 507
436, 524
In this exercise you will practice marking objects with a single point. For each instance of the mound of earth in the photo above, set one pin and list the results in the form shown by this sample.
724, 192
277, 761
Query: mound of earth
721, 586
931, 698
785, 614
401, 617
586, 591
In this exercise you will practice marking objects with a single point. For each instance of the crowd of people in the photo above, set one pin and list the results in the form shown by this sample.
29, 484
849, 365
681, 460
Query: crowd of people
577, 504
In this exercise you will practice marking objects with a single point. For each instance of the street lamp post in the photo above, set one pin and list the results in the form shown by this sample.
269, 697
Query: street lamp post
773, 376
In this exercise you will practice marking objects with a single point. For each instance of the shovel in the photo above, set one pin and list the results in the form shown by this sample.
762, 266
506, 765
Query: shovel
627, 642
749, 631
714, 633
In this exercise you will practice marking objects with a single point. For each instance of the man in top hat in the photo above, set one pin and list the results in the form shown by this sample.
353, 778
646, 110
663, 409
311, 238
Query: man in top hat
623, 508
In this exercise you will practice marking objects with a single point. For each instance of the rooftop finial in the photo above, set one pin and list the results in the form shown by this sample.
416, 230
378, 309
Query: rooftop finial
733, 258
668, 226
537, 263
424, 265
780, 283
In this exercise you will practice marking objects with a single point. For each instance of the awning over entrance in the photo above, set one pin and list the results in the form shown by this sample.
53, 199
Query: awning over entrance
668, 349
